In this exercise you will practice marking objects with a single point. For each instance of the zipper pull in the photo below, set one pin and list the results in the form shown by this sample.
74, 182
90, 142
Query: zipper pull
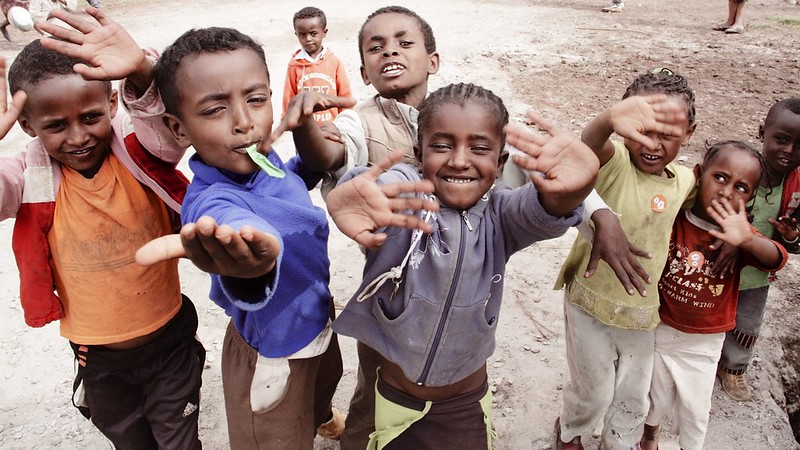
466, 220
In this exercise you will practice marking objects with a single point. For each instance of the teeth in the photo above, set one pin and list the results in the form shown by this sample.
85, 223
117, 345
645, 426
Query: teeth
458, 180
649, 157
392, 67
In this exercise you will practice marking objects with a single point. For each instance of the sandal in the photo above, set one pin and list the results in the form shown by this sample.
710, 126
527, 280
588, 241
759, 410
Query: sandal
735, 30
721, 27
574, 444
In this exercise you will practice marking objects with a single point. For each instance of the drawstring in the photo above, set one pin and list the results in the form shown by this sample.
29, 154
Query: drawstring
396, 273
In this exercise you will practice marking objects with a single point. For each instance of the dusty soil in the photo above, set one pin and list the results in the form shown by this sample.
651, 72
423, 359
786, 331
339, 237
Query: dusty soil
562, 57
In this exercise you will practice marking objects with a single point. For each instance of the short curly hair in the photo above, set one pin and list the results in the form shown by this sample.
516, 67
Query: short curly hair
309, 12
424, 27
192, 43
664, 81
35, 64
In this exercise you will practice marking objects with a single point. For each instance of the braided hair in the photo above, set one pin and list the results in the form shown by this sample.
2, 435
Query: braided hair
461, 94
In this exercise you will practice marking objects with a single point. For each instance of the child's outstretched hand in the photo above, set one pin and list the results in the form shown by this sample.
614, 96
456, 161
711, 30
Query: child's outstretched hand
736, 229
213, 248
787, 227
637, 117
301, 112
567, 166
110, 52
610, 243
360, 206
9, 113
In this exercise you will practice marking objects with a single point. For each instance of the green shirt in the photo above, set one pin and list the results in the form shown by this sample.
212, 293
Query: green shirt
647, 205
764, 208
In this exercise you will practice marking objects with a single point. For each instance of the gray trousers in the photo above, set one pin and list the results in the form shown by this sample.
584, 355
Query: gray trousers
737, 351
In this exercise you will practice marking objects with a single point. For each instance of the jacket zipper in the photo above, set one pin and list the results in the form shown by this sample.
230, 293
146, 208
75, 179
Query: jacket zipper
440, 329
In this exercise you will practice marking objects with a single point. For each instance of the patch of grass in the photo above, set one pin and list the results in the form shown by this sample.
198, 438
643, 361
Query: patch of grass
791, 21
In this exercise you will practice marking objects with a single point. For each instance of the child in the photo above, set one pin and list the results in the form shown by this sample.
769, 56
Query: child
434, 324
776, 213
398, 54
314, 67
86, 193
697, 307
609, 327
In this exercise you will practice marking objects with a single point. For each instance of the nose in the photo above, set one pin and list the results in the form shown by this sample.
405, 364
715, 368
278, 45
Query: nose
242, 122
458, 159
726, 191
77, 136
389, 50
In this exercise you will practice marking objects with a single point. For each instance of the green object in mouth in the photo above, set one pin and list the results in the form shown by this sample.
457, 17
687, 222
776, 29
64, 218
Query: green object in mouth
262, 161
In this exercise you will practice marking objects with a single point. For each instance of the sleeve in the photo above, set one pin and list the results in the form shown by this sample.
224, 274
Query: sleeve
289, 88
749, 260
147, 120
355, 142
12, 183
524, 219
230, 209
342, 82
299, 168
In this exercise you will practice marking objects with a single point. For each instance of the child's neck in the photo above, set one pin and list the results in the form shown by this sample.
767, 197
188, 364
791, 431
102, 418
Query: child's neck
775, 179
413, 97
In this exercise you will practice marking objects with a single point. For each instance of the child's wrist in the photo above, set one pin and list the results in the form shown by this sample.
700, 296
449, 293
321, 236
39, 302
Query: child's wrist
792, 241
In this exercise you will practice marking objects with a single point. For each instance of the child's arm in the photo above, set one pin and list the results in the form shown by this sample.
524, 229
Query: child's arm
9, 113
633, 118
737, 231
786, 226
319, 151
360, 206
247, 253
109, 51
567, 169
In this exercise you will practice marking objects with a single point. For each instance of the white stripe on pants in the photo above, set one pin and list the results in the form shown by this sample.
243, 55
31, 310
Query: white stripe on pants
610, 370
683, 376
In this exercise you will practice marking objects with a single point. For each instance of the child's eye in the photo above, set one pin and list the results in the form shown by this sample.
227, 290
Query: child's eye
720, 178
742, 188
406, 43
481, 149
375, 48
258, 100
783, 140
91, 118
54, 126
211, 111
439, 147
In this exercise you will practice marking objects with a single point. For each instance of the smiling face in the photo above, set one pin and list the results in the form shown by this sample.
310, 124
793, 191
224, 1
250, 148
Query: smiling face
224, 107
310, 32
732, 174
72, 119
460, 153
654, 161
395, 61
781, 148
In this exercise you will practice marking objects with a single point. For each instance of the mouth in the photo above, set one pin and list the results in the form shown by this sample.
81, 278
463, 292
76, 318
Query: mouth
242, 150
458, 180
650, 158
80, 151
392, 69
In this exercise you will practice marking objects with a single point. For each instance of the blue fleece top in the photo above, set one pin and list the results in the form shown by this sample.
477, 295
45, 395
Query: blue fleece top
293, 307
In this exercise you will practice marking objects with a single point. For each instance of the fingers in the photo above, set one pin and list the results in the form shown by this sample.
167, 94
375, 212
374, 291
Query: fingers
395, 189
369, 239
282, 127
384, 164
543, 124
413, 204
160, 249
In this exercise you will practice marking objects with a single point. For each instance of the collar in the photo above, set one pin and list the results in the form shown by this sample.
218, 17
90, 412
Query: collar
303, 55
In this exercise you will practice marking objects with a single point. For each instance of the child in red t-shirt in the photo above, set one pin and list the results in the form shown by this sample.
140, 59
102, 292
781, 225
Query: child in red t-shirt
697, 305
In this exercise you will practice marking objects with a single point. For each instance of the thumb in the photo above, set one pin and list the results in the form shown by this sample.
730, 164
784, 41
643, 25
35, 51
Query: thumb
160, 249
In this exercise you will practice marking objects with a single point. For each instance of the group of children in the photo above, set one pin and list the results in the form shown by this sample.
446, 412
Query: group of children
414, 178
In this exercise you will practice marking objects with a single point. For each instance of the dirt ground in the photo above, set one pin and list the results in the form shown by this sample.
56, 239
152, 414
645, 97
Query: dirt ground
563, 58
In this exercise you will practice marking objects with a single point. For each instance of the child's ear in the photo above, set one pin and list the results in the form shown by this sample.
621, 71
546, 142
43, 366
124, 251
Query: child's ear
689, 133
501, 162
364, 76
761, 132
25, 124
418, 153
433, 63
113, 102
698, 172
175, 127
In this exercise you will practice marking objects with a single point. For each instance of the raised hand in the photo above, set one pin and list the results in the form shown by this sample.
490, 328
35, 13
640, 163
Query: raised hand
611, 244
736, 229
109, 51
639, 116
213, 248
301, 112
567, 167
9, 113
787, 227
360, 206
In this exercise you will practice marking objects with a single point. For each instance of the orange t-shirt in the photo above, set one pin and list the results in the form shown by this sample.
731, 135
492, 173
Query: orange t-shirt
98, 225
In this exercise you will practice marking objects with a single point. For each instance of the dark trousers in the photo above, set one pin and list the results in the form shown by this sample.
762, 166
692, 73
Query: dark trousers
360, 420
147, 397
